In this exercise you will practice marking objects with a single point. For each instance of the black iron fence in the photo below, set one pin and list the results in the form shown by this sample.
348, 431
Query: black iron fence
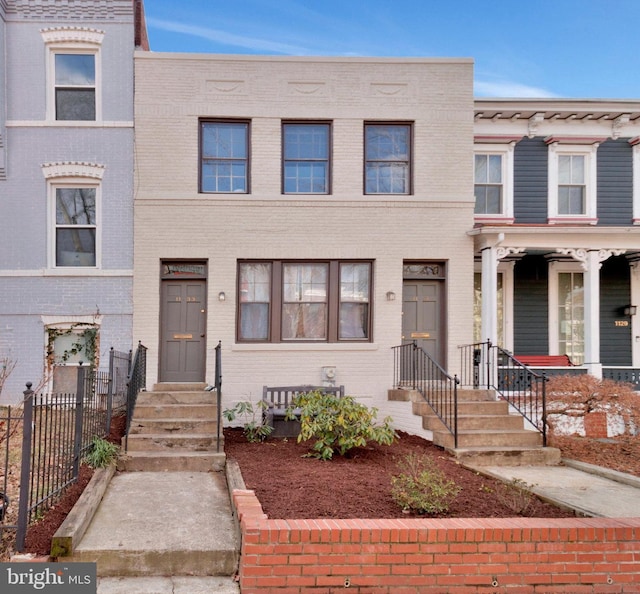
136, 381
57, 429
487, 366
415, 369
10, 438
218, 387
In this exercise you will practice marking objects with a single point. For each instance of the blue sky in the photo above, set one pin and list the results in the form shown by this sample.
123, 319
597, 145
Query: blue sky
522, 48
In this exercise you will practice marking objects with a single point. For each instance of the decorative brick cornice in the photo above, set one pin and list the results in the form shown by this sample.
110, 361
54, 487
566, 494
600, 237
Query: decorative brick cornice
73, 169
72, 35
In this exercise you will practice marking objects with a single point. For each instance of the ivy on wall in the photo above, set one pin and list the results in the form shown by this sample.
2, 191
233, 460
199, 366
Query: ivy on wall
85, 344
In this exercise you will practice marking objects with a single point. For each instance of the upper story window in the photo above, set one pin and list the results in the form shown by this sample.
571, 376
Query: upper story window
305, 164
488, 180
572, 182
74, 73
75, 86
387, 154
74, 201
493, 179
327, 301
224, 150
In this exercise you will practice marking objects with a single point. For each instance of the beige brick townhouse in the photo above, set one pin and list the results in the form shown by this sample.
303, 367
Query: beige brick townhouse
291, 208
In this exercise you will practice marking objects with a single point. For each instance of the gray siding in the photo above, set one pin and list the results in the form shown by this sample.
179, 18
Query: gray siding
615, 293
530, 181
531, 313
615, 183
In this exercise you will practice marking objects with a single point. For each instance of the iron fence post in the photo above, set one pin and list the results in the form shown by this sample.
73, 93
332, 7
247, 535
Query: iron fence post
110, 383
544, 410
25, 469
77, 442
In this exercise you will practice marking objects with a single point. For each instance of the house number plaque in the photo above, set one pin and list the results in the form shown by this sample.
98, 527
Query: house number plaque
619, 323
178, 336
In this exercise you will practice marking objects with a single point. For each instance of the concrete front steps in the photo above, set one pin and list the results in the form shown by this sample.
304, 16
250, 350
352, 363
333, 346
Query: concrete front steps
174, 428
171, 521
488, 435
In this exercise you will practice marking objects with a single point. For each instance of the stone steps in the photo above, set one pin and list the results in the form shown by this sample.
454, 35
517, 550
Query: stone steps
488, 435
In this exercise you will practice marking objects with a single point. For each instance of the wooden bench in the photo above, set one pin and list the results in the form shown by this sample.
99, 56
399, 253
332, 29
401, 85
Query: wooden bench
544, 360
276, 401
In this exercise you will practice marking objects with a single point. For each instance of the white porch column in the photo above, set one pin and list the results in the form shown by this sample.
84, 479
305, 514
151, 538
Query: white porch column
635, 321
489, 313
591, 262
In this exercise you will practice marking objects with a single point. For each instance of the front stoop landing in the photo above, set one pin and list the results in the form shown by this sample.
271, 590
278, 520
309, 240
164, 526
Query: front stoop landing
488, 435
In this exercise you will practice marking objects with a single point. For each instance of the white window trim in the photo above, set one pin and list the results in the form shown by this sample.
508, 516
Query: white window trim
555, 268
506, 151
506, 269
72, 40
72, 175
591, 182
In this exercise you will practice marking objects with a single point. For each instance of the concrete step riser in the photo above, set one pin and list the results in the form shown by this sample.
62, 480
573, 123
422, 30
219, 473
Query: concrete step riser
172, 426
177, 398
470, 423
533, 457
150, 562
158, 443
173, 411
522, 439
152, 462
494, 408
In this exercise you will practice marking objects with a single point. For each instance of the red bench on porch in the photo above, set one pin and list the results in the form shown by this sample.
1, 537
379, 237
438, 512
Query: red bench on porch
544, 360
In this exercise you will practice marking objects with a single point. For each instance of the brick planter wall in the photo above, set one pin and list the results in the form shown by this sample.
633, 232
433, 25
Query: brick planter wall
519, 555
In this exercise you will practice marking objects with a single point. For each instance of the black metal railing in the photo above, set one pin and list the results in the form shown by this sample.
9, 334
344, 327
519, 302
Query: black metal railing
490, 367
415, 369
58, 430
628, 375
11, 419
218, 386
136, 381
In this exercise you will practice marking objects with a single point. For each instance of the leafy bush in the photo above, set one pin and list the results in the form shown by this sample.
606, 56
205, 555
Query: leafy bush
254, 425
422, 487
338, 424
101, 453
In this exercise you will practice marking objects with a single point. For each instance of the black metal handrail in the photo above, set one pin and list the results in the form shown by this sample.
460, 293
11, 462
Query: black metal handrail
218, 386
136, 381
415, 369
484, 365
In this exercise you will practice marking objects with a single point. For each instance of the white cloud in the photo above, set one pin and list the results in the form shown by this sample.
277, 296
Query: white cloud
222, 37
483, 88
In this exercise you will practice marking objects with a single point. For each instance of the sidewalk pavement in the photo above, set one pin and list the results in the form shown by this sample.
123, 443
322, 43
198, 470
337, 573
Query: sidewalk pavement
587, 489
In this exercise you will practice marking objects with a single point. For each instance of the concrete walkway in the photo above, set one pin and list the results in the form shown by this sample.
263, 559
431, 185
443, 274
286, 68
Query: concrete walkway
589, 490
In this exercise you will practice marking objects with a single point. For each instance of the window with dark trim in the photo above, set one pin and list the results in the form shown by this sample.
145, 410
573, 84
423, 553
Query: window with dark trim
387, 154
224, 157
305, 157
311, 301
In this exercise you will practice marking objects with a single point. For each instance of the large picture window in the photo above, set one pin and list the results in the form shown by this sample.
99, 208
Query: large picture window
224, 150
287, 301
387, 149
305, 158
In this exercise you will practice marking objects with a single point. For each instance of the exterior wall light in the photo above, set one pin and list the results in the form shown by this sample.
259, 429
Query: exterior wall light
630, 310
391, 296
221, 296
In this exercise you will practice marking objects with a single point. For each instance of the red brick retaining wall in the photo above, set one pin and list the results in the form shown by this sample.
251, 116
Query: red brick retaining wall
515, 555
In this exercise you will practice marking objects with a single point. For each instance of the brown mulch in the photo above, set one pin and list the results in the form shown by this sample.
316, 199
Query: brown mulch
289, 485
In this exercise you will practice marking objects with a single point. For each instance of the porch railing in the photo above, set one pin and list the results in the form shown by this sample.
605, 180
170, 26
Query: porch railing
218, 386
490, 367
136, 381
415, 369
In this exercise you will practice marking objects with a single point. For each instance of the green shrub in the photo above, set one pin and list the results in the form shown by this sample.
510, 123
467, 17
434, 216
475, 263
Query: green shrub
338, 424
255, 428
422, 487
101, 453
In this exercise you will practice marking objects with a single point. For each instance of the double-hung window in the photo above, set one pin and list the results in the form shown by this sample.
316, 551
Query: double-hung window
305, 163
75, 86
75, 226
488, 186
387, 155
74, 73
572, 182
288, 301
224, 151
